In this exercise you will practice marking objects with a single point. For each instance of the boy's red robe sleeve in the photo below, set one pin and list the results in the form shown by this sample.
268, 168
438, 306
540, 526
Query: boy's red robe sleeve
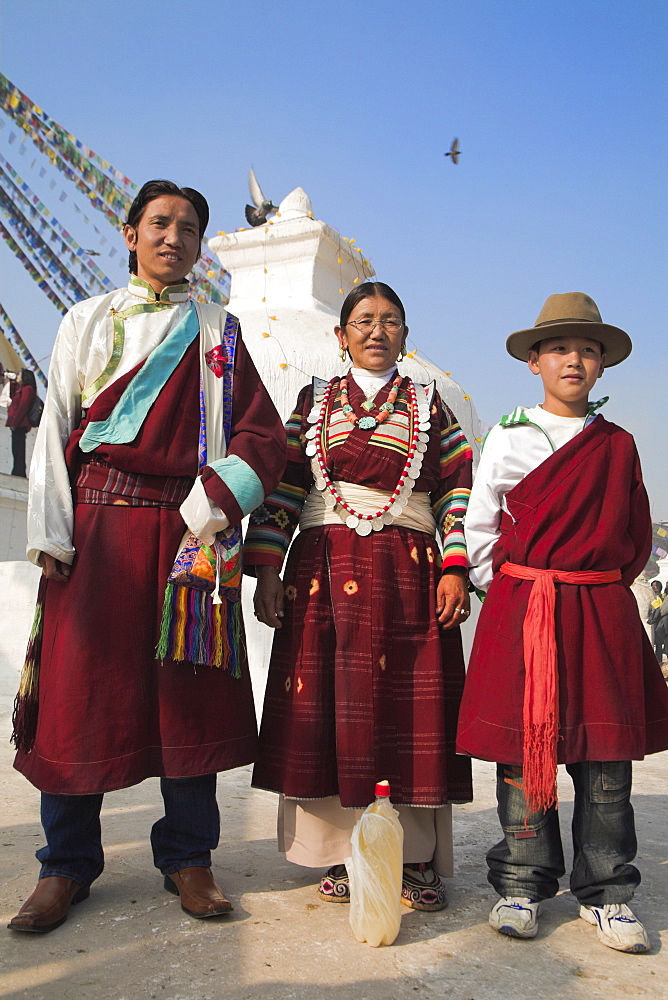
639, 527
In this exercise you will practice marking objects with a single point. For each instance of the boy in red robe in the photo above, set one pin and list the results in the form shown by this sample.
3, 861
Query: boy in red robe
561, 671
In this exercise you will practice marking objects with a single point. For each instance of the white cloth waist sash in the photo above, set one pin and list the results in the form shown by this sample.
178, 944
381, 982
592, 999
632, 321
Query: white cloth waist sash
417, 513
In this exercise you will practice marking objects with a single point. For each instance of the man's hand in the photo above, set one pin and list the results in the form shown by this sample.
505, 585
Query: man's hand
268, 600
452, 600
54, 569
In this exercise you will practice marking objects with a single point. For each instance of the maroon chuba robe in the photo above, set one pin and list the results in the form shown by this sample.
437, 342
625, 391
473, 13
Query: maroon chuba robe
583, 509
110, 713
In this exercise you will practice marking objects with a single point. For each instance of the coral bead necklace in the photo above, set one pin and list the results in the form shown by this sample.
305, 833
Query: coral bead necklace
419, 423
369, 423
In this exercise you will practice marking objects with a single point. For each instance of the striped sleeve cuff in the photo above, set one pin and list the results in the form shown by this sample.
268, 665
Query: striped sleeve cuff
449, 511
455, 450
272, 526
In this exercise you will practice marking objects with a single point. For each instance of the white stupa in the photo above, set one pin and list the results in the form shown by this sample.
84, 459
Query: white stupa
289, 279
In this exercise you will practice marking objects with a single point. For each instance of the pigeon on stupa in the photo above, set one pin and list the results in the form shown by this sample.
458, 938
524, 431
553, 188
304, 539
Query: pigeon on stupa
256, 215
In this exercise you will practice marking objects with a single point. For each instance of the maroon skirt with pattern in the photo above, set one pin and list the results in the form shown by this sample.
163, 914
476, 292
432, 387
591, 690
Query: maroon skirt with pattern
363, 683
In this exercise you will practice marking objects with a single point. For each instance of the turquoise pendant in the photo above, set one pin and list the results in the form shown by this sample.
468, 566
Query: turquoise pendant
367, 423
368, 405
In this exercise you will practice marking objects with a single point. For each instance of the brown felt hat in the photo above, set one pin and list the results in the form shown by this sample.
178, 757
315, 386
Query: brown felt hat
571, 314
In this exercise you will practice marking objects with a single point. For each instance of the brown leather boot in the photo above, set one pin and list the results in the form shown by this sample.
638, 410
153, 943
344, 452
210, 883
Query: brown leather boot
200, 895
49, 905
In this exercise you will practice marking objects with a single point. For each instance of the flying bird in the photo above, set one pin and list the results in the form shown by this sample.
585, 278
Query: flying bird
454, 151
257, 215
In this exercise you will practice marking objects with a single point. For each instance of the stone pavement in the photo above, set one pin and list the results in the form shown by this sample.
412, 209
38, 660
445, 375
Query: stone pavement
131, 941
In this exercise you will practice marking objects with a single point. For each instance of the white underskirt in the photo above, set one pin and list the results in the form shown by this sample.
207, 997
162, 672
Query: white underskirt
316, 833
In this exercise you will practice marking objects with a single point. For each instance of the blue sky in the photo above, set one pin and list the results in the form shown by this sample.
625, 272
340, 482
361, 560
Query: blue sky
560, 108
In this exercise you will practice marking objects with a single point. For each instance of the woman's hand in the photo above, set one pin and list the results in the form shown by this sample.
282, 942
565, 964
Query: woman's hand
54, 569
452, 599
268, 599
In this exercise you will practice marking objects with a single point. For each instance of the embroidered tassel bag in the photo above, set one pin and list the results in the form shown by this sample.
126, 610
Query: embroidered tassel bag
201, 615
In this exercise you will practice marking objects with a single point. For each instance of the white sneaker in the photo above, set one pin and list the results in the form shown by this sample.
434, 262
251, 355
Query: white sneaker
516, 916
617, 927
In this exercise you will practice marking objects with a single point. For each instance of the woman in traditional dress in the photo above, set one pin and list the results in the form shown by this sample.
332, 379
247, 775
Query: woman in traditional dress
366, 669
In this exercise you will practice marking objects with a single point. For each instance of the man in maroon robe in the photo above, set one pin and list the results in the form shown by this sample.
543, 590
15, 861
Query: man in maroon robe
155, 419
557, 530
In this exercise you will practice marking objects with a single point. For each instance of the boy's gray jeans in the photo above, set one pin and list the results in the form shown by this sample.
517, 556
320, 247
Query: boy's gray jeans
529, 860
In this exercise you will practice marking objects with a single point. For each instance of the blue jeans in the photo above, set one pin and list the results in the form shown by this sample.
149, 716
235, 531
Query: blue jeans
529, 861
183, 838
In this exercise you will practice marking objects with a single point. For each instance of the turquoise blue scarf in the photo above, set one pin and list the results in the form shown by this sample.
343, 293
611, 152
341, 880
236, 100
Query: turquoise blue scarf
124, 423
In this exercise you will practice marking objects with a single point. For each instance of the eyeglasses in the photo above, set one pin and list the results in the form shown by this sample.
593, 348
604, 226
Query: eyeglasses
390, 325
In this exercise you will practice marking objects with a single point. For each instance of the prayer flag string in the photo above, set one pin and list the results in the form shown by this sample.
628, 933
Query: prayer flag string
107, 189
32, 270
40, 251
67, 249
14, 337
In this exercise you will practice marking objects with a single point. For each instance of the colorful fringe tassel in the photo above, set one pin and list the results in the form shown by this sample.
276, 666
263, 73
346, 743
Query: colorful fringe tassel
195, 630
24, 717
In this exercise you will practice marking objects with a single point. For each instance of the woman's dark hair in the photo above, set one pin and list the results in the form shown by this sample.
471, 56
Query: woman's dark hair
654, 584
156, 189
28, 378
370, 290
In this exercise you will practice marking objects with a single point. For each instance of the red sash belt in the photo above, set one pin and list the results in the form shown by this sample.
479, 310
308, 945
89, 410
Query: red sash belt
541, 687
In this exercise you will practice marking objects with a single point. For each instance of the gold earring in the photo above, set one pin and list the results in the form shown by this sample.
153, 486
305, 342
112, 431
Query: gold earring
342, 353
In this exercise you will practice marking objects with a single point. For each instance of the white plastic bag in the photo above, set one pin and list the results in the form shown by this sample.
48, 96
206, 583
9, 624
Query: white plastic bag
5, 398
375, 871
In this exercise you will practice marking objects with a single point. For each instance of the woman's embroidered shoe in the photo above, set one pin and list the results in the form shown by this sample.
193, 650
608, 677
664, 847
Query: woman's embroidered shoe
335, 885
422, 889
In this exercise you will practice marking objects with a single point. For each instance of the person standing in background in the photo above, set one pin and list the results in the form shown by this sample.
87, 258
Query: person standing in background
654, 617
23, 391
660, 623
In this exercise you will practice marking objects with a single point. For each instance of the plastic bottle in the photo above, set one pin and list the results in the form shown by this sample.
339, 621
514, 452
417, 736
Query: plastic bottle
375, 871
